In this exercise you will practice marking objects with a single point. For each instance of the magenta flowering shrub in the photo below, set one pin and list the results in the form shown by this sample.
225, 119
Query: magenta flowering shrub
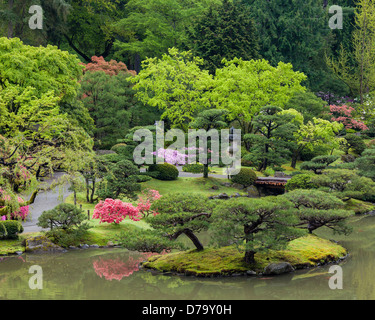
20, 214
115, 211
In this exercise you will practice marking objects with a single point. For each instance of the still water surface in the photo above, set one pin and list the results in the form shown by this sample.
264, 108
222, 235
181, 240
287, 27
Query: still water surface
111, 274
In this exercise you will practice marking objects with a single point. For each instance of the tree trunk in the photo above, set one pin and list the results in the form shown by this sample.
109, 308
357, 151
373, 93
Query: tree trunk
205, 170
249, 257
294, 159
92, 191
87, 190
10, 23
194, 239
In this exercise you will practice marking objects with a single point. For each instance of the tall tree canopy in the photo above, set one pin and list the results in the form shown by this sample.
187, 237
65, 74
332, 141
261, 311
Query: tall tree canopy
244, 87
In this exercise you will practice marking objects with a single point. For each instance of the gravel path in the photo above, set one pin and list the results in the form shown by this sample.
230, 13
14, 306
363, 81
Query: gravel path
45, 201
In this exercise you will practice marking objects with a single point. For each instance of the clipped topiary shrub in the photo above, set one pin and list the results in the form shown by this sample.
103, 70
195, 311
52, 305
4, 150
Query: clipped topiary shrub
300, 181
165, 171
9, 229
246, 177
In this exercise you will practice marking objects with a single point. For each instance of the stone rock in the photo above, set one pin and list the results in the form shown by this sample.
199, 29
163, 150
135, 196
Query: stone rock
94, 246
279, 174
226, 184
251, 273
252, 192
278, 268
84, 246
215, 188
41, 244
223, 196
238, 186
110, 244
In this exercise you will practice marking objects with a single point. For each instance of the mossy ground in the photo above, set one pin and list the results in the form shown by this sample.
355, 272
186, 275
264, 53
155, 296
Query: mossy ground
358, 206
16, 245
308, 251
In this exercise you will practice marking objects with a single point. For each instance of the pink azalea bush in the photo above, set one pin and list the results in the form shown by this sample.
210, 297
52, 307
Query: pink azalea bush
145, 201
20, 214
115, 211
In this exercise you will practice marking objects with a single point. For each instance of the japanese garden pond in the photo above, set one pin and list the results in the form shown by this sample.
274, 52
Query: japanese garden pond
113, 274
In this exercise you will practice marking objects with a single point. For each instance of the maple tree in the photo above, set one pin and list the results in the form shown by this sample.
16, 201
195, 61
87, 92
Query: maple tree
344, 114
111, 67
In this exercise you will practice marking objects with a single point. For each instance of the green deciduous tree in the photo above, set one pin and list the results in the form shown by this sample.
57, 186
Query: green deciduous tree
244, 87
314, 133
175, 84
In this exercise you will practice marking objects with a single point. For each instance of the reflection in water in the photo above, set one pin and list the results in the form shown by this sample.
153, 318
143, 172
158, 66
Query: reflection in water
89, 274
117, 268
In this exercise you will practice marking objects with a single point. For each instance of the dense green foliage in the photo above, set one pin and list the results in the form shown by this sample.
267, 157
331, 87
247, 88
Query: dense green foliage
10, 229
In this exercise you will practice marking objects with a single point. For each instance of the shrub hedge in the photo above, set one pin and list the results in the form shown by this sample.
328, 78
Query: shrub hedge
246, 177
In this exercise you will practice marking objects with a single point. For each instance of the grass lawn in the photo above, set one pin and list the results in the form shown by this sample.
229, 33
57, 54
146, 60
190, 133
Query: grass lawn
306, 251
193, 185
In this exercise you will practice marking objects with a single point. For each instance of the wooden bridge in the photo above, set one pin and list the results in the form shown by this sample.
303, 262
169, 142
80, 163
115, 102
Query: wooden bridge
273, 181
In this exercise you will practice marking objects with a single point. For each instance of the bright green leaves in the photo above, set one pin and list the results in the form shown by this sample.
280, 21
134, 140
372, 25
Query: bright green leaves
174, 84
244, 87
44, 69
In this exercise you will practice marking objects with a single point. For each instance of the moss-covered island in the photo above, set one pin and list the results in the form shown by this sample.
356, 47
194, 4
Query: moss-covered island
305, 252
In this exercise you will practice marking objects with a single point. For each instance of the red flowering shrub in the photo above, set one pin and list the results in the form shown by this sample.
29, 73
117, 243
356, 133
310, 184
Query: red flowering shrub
343, 114
111, 68
115, 211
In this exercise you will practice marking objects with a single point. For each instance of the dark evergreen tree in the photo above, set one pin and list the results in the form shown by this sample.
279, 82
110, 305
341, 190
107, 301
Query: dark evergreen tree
269, 144
296, 31
227, 32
